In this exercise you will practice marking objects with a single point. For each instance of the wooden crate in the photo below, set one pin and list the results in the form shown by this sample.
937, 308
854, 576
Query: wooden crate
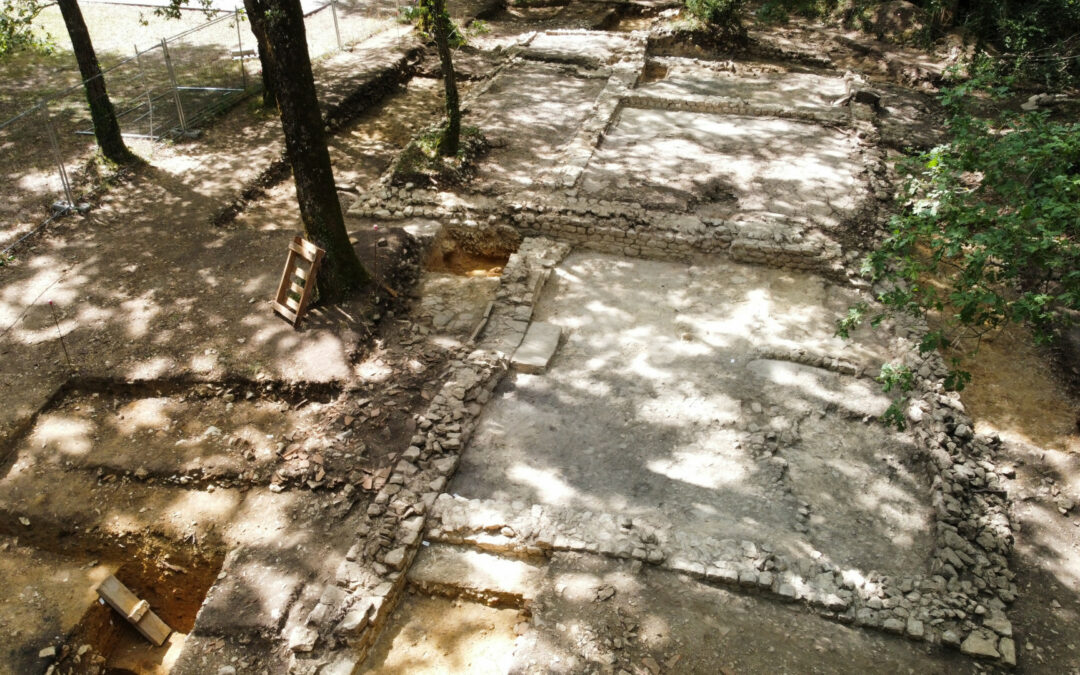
297, 282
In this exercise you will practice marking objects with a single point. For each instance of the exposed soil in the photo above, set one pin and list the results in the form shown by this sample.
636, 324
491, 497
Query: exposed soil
467, 264
1016, 392
434, 635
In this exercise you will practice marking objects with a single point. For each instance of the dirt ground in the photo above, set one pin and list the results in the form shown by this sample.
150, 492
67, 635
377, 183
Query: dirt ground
183, 438
429, 634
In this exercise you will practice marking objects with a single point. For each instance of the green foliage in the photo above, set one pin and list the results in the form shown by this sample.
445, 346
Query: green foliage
17, 28
896, 377
421, 163
779, 11
422, 16
722, 16
902, 379
715, 12
989, 232
1038, 40
173, 9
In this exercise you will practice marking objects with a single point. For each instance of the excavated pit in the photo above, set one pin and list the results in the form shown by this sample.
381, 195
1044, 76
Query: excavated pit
173, 432
62, 611
154, 481
461, 276
174, 592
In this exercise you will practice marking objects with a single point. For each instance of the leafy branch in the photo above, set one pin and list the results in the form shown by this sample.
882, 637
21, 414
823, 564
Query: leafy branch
989, 229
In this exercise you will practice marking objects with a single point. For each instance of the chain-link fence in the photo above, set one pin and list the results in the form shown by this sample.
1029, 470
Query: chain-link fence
162, 90
346, 22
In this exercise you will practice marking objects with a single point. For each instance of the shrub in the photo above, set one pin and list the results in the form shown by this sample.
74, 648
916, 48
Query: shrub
17, 30
989, 231
1036, 39
722, 16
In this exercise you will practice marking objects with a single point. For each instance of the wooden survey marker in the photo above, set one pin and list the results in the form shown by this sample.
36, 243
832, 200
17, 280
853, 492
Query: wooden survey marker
134, 610
297, 283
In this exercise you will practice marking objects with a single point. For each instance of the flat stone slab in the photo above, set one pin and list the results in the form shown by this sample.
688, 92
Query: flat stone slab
766, 86
538, 347
714, 398
252, 595
478, 574
591, 50
752, 167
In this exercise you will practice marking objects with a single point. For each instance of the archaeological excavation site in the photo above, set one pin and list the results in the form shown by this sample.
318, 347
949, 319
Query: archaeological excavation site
592, 412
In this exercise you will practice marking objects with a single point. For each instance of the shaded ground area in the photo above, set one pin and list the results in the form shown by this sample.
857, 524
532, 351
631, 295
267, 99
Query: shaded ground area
529, 115
359, 153
594, 615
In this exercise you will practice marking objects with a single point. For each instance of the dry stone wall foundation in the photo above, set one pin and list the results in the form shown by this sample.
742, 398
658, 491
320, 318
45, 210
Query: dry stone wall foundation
960, 600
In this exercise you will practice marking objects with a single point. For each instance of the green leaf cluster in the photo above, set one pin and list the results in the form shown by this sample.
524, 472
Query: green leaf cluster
17, 27
997, 211
721, 16
422, 15
988, 233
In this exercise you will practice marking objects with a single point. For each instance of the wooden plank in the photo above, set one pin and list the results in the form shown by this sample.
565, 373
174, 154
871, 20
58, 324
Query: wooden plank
483, 322
304, 249
135, 610
309, 286
296, 288
311, 251
286, 275
285, 311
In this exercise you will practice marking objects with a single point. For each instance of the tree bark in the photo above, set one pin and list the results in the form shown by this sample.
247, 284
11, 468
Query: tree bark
450, 140
305, 145
106, 128
269, 92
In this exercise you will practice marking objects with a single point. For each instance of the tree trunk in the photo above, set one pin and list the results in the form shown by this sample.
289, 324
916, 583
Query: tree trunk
305, 145
106, 128
450, 140
269, 93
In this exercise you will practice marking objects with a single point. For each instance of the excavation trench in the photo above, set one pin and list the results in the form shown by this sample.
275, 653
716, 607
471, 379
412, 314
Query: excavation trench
174, 592
439, 634
462, 268
59, 609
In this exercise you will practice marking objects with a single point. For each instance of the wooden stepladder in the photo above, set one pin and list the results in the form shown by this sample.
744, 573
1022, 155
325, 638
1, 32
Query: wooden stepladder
297, 283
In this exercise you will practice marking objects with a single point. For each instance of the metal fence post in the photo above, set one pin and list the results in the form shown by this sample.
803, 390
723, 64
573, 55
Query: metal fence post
240, 50
149, 98
337, 32
55, 143
175, 86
